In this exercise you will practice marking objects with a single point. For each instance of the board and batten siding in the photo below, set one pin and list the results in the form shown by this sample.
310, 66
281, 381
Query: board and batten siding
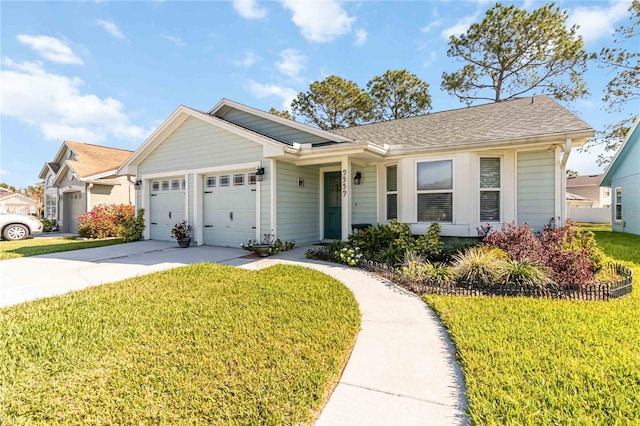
536, 188
364, 201
298, 208
196, 144
269, 128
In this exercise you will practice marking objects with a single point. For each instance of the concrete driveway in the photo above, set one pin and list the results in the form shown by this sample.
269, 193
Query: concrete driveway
30, 278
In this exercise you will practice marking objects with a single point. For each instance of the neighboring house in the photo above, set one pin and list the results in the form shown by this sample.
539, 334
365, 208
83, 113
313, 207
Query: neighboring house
623, 177
80, 177
14, 203
237, 173
578, 201
588, 187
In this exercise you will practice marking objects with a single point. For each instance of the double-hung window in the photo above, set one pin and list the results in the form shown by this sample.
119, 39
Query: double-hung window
392, 192
618, 204
435, 191
490, 189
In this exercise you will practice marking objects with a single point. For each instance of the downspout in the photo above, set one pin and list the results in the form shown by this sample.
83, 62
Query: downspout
563, 179
88, 195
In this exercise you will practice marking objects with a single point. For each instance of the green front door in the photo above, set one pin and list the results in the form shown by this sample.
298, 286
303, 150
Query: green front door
332, 206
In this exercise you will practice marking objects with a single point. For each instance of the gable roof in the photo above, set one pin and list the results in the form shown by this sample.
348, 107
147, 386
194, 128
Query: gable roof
91, 160
519, 120
575, 197
620, 155
584, 180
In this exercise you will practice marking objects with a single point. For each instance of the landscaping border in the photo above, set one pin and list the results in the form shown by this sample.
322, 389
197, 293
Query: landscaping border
595, 291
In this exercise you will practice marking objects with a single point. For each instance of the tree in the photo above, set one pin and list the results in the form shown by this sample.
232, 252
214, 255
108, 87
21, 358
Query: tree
333, 103
284, 113
9, 187
36, 193
398, 94
571, 173
624, 87
512, 52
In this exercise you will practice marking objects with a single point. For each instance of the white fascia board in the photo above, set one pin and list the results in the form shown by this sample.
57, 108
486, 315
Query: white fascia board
277, 119
101, 175
606, 179
175, 120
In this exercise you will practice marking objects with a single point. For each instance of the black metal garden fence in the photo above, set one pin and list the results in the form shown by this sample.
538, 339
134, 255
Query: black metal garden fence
595, 291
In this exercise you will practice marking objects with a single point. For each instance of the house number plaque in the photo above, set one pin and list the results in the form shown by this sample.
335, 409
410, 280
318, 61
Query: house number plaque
344, 183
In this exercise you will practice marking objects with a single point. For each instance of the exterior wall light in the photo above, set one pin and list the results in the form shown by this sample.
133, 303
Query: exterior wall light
357, 178
260, 174
137, 185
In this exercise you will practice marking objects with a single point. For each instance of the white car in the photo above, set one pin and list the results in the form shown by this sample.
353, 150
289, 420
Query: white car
19, 226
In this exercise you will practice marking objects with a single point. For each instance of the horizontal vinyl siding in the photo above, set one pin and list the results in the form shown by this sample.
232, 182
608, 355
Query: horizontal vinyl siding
270, 128
630, 204
196, 144
298, 209
364, 205
536, 188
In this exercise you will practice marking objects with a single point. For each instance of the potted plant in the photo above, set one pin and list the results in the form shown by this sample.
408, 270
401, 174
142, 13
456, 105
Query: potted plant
181, 231
268, 246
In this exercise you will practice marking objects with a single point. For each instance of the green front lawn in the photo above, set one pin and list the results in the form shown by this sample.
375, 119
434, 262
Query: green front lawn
201, 344
36, 246
532, 361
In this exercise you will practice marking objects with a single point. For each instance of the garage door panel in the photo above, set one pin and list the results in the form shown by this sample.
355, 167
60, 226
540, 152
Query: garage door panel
229, 215
166, 209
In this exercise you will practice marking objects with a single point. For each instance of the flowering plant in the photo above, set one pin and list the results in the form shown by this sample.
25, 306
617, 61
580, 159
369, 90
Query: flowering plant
349, 256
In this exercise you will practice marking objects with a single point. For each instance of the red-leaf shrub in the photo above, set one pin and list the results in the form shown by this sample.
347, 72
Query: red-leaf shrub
105, 221
570, 253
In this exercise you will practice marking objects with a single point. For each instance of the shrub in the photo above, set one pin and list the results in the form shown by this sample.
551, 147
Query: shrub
132, 227
416, 268
48, 225
349, 256
104, 221
480, 265
570, 254
387, 243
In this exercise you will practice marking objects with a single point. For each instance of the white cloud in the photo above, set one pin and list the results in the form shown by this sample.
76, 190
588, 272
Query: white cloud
50, 48
361, 37
459, 27
292, 63
111, 28
4, 172
249, 9
176, 40
249, 59
264, 90
598, 21
57, 107
320, 21
430, 60
431, 25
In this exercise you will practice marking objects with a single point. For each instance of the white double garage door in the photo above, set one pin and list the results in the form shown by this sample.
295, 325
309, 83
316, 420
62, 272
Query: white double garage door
228, 208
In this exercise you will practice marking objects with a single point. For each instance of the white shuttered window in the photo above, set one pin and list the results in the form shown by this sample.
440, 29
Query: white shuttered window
490, 189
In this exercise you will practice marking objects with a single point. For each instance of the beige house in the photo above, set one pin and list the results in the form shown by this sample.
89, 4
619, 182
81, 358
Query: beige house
14, 203
80, 177
587, 187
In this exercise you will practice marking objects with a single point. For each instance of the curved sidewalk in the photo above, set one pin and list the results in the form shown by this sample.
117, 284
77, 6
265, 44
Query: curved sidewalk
402, 369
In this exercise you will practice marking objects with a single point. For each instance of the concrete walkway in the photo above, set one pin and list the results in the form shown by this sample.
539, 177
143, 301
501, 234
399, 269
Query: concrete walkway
401, 371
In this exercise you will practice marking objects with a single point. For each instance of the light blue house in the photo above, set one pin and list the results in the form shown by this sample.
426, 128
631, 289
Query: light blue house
623, 177
237, 173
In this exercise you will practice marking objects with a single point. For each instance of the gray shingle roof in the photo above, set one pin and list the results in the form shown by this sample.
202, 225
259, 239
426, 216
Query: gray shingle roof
584, 180
516, 119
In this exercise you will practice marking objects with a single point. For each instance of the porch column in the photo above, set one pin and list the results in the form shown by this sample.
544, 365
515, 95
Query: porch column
345, 176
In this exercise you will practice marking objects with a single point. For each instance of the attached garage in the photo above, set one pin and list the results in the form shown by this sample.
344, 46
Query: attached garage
229, 208
166, 206
74, 206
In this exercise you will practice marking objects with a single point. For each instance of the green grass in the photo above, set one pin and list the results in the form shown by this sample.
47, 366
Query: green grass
201, 344
594, 226
36, 246
532, 361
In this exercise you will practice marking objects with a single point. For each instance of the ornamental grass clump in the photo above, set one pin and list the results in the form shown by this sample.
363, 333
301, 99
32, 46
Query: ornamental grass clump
480, 266
525, 273
417, 269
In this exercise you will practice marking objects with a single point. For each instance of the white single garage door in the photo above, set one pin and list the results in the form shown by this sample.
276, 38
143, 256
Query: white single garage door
75, 207
229, 204
166, 207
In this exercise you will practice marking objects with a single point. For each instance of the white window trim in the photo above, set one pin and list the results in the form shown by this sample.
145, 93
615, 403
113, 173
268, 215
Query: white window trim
396, 192
616, 204
500, 190
434, 191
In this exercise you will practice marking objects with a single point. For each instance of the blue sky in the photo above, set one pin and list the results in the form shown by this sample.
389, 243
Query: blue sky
110, 72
